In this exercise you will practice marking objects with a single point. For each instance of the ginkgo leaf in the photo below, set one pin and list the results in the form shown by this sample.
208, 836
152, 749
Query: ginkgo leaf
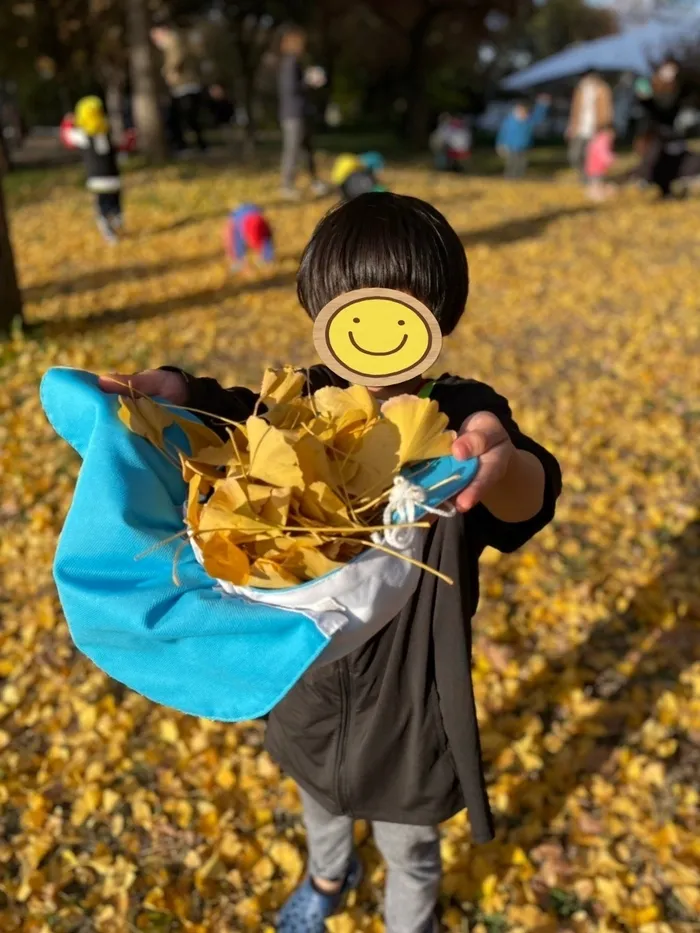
199, 436
268, 574
224, 560
146, 418
422, 428
355, 401
376, 458
320, 503
280, 386
272, 456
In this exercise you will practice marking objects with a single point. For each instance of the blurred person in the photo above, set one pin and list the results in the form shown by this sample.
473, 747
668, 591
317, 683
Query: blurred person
591, 108
355, 175
451, 143
599, 160
220, 105
516, 134
295, 112
665, 155
88, 130
181, 74
247, 233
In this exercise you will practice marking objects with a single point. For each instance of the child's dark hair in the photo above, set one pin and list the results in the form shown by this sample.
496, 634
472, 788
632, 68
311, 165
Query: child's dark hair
385, 240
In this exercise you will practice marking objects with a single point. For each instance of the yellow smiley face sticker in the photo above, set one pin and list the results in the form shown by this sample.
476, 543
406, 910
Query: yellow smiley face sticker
377, 336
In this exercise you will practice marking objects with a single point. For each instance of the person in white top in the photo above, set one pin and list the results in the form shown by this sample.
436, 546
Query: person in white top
591, 109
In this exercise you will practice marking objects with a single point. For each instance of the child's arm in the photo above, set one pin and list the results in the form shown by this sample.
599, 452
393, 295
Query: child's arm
515, 490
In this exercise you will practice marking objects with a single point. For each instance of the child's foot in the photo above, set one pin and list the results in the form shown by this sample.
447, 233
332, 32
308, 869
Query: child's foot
307, 909
106, 230
291, 194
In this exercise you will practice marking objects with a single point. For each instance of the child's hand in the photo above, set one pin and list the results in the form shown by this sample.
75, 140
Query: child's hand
482, 435
168, 385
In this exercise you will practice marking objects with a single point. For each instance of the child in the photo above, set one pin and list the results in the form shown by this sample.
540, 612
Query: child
599, 159
88, 130
515, 136
355, 175
388, 733
451, 143
247, 231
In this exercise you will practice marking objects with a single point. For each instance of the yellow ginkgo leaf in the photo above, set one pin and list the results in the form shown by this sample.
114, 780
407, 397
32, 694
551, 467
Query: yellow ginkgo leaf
199, 436
269, 575
280, 386
356, 401
422, 428
376, 458
321, 504
146, 418
223, 559
272, 456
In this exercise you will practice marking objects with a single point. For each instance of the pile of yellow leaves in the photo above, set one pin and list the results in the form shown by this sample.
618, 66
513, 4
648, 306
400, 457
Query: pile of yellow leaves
120, 815
295, 493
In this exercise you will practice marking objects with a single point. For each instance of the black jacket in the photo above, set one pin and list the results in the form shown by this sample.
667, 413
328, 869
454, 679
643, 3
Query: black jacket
389, 732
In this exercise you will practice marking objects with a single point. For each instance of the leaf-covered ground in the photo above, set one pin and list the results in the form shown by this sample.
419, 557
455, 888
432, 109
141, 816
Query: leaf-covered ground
118, 815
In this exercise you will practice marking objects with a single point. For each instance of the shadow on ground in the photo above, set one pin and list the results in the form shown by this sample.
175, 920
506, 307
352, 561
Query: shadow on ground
99, 278
655, 657
152, 309
513, 230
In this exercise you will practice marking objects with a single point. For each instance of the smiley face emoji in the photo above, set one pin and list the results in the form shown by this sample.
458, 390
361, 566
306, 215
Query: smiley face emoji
377, 336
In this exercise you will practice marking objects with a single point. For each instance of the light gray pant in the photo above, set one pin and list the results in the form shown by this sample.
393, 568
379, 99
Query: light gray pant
411, 853
516, 164
295, 139
577, 155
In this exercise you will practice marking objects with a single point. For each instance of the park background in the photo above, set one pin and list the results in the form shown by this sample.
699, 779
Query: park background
117, 815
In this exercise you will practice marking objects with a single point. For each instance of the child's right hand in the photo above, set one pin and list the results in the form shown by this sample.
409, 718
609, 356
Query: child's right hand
161, 382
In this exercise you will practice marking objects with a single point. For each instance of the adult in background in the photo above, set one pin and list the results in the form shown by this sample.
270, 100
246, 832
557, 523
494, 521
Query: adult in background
296, 112
665, 155
591, 110
181, 74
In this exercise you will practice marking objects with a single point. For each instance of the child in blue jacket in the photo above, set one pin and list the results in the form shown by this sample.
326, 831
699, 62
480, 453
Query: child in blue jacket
514, 139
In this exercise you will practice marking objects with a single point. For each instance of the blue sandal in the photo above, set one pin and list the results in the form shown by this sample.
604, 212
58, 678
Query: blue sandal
307, 909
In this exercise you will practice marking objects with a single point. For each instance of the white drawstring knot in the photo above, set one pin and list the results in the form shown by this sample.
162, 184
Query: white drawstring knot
403, 501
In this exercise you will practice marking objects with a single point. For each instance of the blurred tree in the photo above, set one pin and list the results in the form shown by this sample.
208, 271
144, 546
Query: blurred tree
558, 23
144, 89
10, 296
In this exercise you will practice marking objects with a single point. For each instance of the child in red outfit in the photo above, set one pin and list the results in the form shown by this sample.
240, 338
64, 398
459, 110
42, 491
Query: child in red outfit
599, 160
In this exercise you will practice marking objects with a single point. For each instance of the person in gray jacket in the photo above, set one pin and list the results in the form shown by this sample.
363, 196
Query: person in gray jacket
294, 112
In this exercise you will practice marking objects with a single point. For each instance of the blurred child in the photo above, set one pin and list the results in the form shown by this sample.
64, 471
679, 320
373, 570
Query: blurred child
451, 143
354, 175
248, 231
599, 160
515, 136
88, 130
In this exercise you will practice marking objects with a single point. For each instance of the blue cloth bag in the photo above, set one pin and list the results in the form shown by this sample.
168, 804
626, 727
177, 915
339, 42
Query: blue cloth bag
190, 646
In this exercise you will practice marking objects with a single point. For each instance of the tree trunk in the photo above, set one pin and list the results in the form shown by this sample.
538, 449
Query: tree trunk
416, 126
115, 104
10, 296
147, 115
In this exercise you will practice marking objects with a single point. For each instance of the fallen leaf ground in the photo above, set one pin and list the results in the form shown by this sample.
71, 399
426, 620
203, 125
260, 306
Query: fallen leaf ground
118, 815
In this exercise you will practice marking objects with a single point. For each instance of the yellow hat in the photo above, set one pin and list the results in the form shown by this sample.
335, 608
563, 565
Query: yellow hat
90, 116
344, 166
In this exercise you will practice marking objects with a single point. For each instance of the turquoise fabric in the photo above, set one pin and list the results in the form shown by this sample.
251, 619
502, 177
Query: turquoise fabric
187, 647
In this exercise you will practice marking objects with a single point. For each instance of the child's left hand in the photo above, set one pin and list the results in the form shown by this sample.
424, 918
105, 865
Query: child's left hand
482, 435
